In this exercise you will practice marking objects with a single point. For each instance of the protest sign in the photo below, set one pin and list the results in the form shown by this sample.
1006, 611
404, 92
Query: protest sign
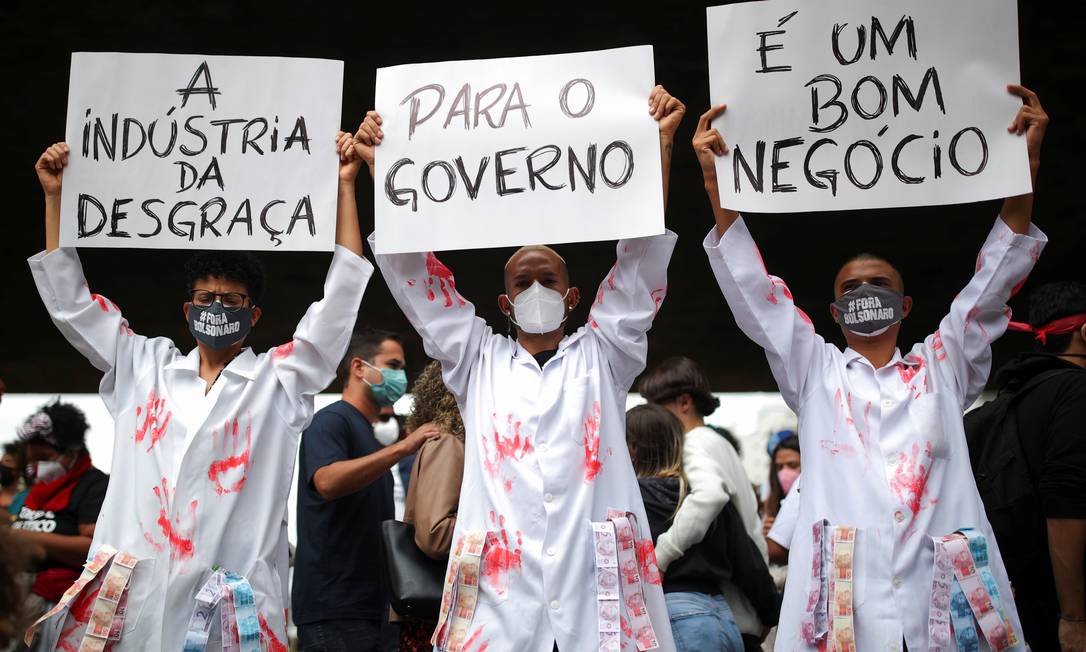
201, 152
542, 149
846, 104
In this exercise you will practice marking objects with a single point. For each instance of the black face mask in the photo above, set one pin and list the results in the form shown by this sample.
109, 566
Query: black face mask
216, 327
869, 310
7, 475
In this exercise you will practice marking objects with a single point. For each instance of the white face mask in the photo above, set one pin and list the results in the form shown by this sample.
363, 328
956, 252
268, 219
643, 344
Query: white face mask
48, 470
387, 432
539, 309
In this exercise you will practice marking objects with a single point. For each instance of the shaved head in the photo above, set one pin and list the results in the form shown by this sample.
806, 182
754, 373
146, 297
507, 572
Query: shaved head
534, 263
867, 268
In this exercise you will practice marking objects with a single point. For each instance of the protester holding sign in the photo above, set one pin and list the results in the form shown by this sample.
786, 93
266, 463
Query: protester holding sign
205, 443
888, 493
547, 476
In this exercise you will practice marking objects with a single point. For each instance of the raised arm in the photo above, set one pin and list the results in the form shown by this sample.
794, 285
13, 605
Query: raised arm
425, 290
979, 314
762, 304
669, 112
307, 364
1032, 121
92, 323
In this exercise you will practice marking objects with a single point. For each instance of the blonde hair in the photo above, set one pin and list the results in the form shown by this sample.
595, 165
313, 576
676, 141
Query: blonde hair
655, 439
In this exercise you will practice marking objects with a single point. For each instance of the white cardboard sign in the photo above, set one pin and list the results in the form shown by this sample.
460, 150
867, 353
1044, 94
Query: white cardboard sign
524, 150
201, 152
847, 104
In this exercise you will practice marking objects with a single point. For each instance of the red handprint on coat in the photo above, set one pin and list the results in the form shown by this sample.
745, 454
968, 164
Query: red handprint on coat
178, 538
501, 557
436, 271
230, 472
156, 419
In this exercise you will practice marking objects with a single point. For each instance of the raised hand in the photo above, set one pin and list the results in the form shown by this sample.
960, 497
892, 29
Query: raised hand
709, 143
349, 160
50, 167
1030, 120
368, 137
667, 110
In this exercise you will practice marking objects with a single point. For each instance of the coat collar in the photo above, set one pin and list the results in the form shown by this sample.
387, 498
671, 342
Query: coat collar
244, 365
852, 356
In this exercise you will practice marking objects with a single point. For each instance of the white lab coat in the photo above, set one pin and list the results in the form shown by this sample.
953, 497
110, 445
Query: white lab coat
883, 449
545, 451
198, 480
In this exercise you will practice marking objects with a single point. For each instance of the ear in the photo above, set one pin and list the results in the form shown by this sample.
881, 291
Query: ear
574, 298
833, 313
906, 306
686, 403
185, 309
255, 315
505, 305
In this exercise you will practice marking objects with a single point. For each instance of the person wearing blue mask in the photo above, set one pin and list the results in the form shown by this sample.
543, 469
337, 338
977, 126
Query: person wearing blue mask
344, 493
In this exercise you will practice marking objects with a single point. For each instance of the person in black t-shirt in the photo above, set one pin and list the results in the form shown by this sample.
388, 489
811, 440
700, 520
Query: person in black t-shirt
1051, 420
344, 493
56, 522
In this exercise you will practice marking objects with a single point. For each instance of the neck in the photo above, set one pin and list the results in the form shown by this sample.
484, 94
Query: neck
877, 350
691, 421
1076, 358
362, 401
212, 361
538, 342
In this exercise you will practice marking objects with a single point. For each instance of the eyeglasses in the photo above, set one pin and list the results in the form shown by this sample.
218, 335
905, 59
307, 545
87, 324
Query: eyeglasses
230, 301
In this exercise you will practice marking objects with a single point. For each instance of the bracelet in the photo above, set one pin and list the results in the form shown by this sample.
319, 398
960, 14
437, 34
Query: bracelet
1072, 620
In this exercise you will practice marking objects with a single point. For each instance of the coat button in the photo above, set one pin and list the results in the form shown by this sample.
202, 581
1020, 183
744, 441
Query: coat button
547, 498
899, 516
554, 605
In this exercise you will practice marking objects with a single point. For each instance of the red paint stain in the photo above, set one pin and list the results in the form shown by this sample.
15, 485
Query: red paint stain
837, 448
657, 297
910, 479
971, 317
775, 283
177, 538
410, 282
156, 419
910, 369
608, 284
473, 639
268, 639
511, 446
980, 262
646, 559
104, 303
937, 347
437, 271
592, 463
79, 614
501, 556
283, 350
593, 323
804, 317
233, 460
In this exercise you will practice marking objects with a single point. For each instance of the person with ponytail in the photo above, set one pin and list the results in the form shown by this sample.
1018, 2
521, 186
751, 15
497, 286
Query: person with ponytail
56, 522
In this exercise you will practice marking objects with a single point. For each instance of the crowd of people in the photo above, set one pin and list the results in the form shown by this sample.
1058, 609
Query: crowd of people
541, 514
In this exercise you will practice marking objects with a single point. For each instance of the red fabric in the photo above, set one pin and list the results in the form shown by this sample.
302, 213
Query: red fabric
54, 496
1060, 326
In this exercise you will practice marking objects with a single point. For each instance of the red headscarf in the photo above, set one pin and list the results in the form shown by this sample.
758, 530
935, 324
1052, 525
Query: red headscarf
1060, 326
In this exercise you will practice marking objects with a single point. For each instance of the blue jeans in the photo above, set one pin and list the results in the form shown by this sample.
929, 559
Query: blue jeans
702, 622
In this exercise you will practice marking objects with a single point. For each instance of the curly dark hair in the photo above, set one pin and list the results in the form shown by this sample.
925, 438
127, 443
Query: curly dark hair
434, 402
240, 266
13, 563
69, 425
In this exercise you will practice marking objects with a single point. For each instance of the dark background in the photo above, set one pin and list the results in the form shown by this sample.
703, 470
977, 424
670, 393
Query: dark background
934, 247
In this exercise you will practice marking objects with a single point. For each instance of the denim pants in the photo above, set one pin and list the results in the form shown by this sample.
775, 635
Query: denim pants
701, 622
